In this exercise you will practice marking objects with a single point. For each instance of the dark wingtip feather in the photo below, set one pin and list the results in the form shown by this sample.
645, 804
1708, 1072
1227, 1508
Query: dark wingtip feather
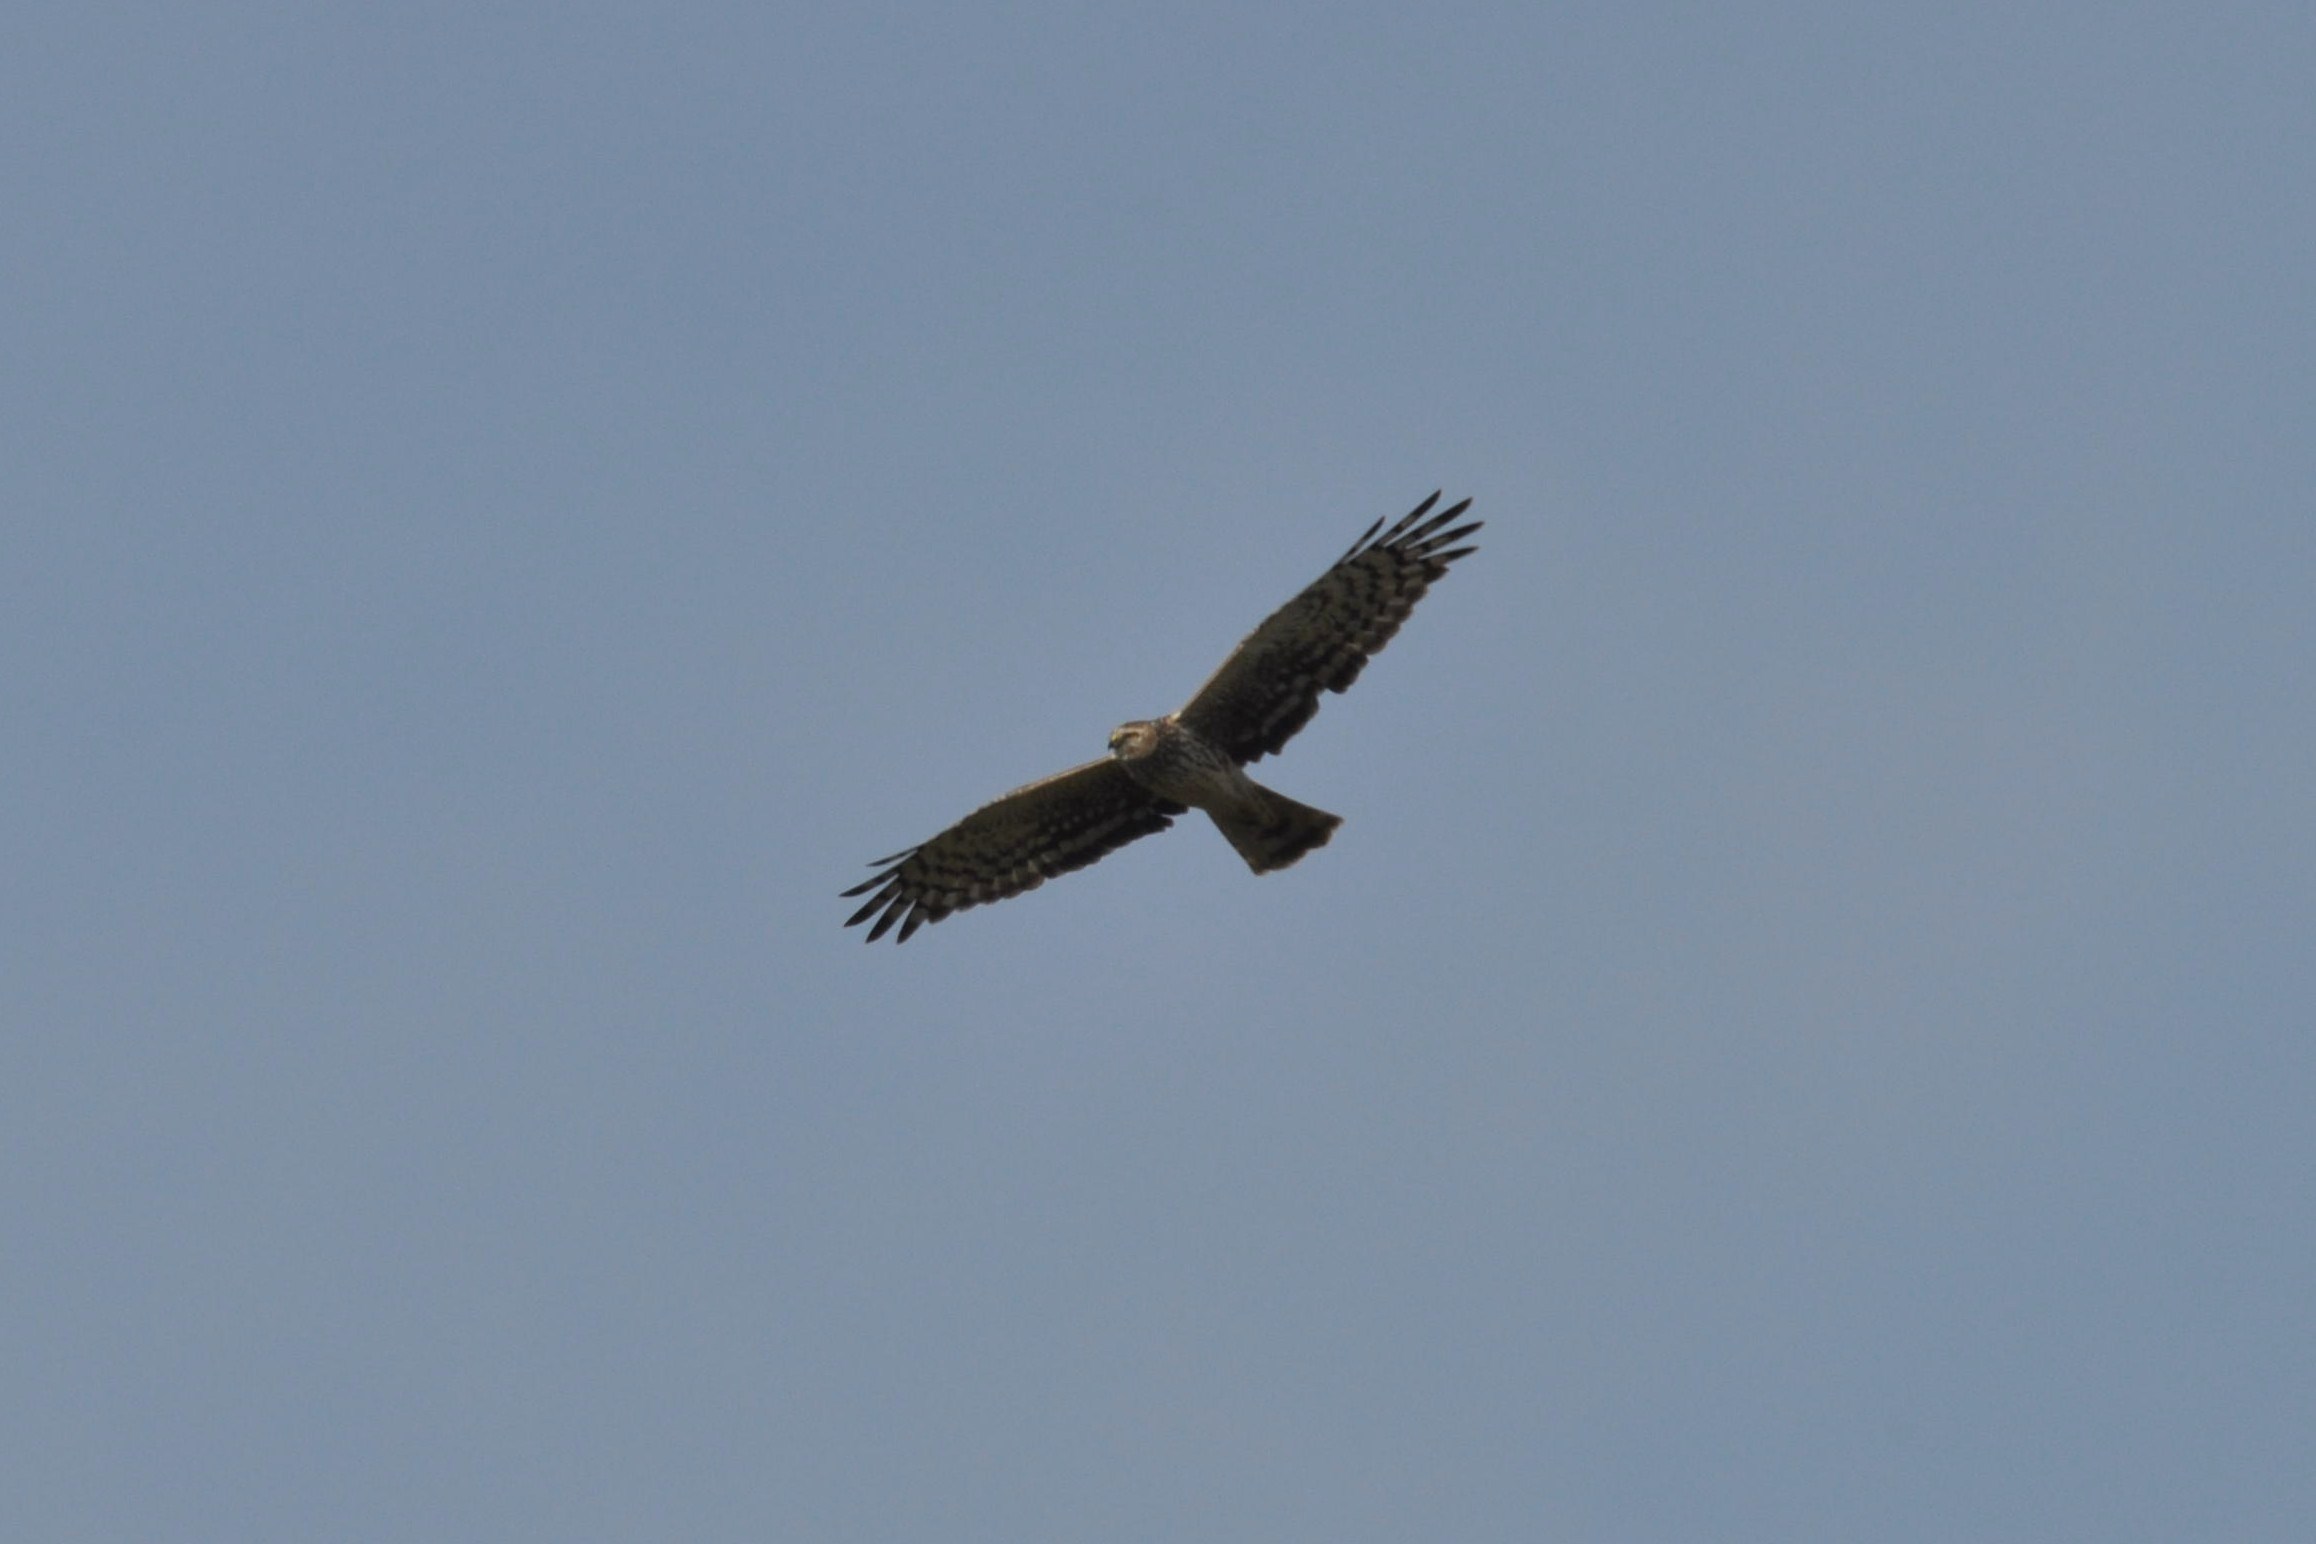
1399, 531
1424, 532
1399, 527
1364, 537
1432, 543
900, 904
875, 904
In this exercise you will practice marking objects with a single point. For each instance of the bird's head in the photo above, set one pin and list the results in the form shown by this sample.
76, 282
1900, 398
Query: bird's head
1130, 741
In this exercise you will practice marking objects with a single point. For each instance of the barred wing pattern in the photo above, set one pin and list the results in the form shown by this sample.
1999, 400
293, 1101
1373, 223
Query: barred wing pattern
1323, 638
1012, 844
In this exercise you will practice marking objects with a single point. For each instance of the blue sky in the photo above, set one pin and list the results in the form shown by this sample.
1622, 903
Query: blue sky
1804, 1033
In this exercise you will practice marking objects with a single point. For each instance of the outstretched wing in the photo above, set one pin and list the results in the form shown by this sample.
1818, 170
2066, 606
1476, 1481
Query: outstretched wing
1012, 844
1323, 638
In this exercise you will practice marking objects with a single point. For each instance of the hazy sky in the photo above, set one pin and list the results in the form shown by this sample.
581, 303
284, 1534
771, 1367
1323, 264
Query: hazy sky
1808, 1031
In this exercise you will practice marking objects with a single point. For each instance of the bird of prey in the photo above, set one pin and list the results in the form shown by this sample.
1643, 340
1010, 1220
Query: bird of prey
1192, 758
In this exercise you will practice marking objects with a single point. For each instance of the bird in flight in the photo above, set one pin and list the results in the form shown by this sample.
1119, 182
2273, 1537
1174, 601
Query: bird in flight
1193, 757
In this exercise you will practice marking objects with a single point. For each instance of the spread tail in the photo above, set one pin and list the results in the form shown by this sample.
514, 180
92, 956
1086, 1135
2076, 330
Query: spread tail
1280, 834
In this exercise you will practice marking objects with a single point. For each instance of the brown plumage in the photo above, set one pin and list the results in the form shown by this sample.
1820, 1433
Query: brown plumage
1158, 768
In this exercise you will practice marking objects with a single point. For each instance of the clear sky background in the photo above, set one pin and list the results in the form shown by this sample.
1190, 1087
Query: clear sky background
1807, 1033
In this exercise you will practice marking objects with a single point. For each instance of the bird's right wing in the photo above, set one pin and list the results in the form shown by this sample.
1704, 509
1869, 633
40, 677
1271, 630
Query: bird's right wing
1012, 844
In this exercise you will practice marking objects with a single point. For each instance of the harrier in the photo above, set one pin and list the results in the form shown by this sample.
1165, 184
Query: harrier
1190, 759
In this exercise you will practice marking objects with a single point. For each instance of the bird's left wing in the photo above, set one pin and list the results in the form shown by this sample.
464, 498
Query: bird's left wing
1012, 844
1323, 638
